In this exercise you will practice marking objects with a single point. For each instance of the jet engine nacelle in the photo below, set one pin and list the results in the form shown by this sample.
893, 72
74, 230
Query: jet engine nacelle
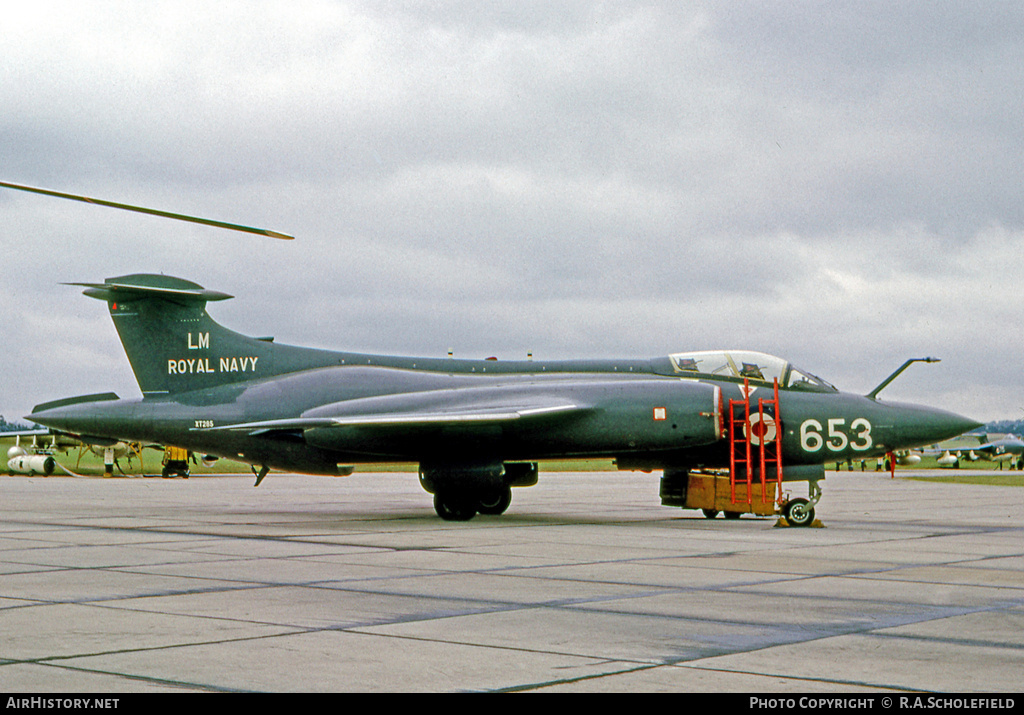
32, 464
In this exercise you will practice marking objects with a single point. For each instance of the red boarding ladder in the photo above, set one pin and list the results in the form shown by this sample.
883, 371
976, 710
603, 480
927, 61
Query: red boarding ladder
747, 431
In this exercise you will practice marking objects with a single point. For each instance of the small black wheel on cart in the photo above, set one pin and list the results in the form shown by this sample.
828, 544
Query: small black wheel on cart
710, 513
798, 512
732, 514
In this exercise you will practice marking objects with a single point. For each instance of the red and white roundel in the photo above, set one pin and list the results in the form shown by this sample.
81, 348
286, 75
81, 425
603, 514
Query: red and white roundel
758, 430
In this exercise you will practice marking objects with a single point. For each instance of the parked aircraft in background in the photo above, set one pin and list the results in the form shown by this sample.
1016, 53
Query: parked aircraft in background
34, 449
1008, 449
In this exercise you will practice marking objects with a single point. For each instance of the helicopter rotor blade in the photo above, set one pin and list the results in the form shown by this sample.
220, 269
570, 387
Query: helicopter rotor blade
151, 212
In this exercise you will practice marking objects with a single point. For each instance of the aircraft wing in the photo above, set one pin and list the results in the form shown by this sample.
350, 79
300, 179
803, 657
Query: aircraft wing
40, 432
425, 416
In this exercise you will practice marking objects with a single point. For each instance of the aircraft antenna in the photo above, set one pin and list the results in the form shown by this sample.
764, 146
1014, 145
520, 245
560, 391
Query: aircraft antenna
874, 393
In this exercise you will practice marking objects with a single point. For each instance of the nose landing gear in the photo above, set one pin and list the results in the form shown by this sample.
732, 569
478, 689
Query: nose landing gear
800, 511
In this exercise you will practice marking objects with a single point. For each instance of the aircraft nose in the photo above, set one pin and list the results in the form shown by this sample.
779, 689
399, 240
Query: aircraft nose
917, 426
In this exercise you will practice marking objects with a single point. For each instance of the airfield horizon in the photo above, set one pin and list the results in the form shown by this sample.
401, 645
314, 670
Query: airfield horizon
91, 465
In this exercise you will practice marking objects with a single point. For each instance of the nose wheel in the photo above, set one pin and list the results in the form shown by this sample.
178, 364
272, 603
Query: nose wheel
800, 511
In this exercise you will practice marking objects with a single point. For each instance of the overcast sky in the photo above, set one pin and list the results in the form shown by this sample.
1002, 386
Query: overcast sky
837, 183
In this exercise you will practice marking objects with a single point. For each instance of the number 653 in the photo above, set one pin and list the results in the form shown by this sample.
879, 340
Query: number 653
837, 436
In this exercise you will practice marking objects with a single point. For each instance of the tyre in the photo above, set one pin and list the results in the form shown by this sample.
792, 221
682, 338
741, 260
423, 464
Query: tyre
798, 512
452, 507
496, 502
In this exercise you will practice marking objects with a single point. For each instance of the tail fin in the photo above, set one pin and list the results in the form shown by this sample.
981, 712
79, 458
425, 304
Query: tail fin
173, 344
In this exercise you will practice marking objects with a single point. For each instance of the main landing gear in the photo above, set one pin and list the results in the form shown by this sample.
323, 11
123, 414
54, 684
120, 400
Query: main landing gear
456, 506
462, 491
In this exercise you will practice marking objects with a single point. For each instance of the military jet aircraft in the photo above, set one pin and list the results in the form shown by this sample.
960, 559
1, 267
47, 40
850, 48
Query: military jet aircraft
1008, 449
475, 427
36, 455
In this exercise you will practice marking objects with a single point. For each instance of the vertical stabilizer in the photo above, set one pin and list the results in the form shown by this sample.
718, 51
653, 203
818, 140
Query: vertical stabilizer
173, 344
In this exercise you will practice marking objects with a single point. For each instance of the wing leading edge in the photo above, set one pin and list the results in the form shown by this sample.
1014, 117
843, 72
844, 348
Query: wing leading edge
412, 418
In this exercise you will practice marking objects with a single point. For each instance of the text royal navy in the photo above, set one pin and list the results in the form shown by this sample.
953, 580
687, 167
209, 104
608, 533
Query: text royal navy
192, 366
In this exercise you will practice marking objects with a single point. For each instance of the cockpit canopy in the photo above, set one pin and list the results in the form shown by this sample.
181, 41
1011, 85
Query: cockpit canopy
754, 366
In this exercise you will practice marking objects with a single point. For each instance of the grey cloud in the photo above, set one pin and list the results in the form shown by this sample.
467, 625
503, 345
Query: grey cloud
834, 183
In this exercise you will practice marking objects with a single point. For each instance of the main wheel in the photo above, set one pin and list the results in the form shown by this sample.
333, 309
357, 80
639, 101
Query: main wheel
495, 502
454, 507
798, 512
